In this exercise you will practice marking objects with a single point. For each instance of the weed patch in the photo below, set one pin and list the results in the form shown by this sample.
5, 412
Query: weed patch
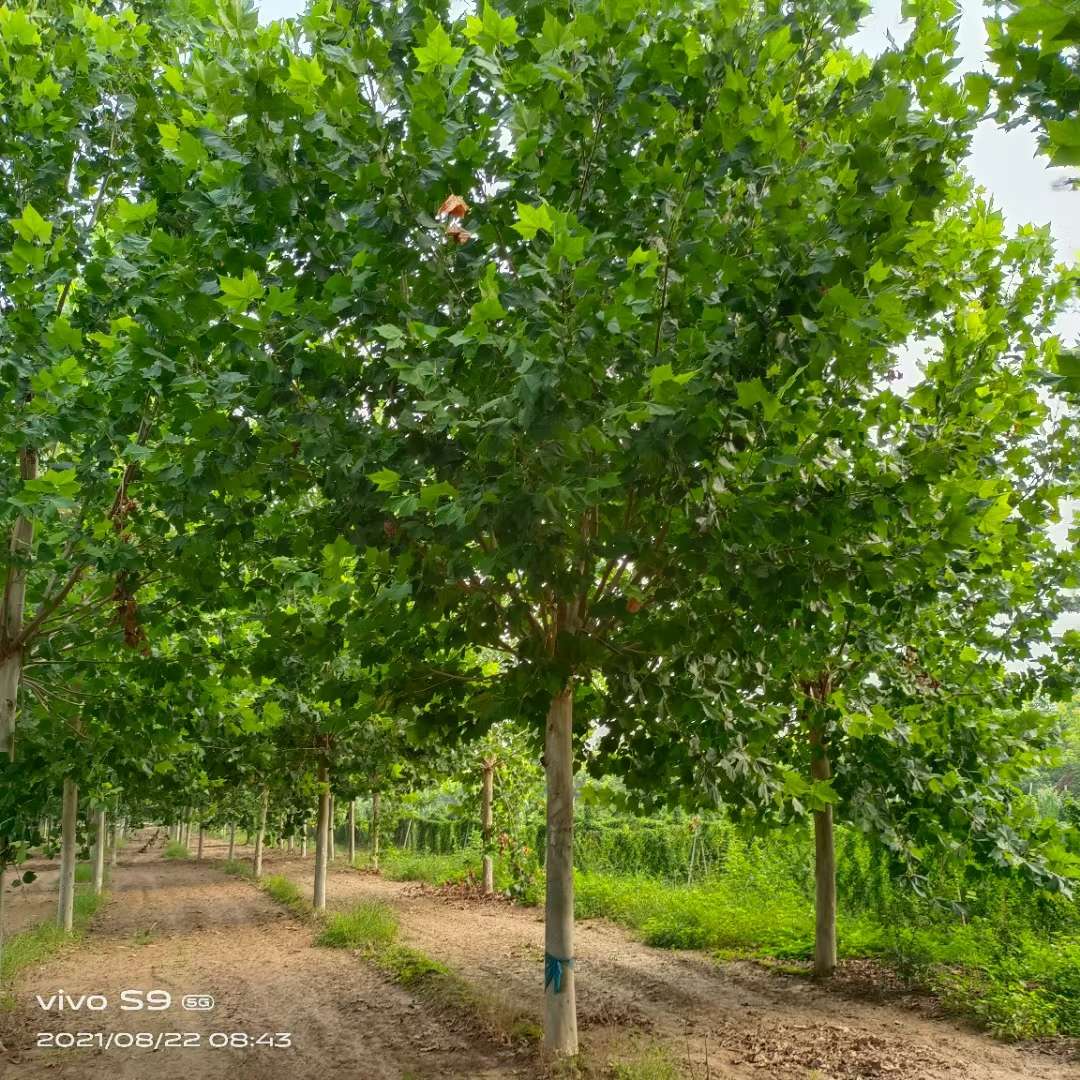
39, 943
175, 850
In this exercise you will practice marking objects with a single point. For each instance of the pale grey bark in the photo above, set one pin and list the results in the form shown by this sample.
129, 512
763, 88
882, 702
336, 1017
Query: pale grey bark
322, 839
352, 831
232, 839
100, 840
260, 835
199, 852
66, 911
560, 1004
487, 823
12, 610
114, 843
375, 829
824, 868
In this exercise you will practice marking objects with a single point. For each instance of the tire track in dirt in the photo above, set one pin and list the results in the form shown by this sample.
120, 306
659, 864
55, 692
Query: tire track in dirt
748, 1022
188, 928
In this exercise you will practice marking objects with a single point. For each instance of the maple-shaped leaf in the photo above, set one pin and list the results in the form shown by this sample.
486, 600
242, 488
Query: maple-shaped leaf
453, 206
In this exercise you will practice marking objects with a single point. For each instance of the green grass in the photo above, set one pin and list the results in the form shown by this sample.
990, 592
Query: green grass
446, 869
43, 941
654, 1064
285, 892
372, 926
1015, 979
369, 925
237, 868
175, 850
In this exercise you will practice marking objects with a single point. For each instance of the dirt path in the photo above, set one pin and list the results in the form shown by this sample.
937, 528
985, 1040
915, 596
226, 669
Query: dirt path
750, 1023
189, 928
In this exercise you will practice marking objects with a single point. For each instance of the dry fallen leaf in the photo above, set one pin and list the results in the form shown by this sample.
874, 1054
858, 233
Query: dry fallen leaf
457, 233
453, 206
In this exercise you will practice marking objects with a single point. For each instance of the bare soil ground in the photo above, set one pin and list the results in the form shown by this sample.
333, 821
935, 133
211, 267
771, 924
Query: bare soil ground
746, 1022
189, 928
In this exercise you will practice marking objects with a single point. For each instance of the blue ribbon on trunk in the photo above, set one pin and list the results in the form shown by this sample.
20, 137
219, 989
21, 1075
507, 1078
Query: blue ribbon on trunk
553, 971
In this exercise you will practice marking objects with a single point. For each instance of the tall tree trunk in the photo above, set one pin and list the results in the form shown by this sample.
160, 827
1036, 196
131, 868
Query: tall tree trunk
3, 873
330, 830
12, 608
198, 853
322, 837
232, 839
487, 823
824, 866
66, 913
100, 839
303, 841
263, 805
375, 829
114, 842
352, 831
560, 1005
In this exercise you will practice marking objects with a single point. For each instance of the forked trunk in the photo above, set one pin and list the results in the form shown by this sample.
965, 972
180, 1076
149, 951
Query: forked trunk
352, 831
487, 823
375, 830
261, 833
100, 838
66, 913
322, 838
560, 1008
232, 839
824, 867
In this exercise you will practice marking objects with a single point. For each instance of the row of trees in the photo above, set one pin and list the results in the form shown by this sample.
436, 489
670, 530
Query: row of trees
373, 377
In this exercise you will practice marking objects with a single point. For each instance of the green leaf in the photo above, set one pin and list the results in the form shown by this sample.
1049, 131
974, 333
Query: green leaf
242, 291
438, 51
531, 219
32, 227
430, 494
385, 480
492, 29
753, 393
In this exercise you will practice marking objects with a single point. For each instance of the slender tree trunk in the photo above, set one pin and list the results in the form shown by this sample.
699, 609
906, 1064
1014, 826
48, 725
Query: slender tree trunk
100, 839
303, 841
330, 828
198, 853
824, 867
352, 831
66, 913
487, 823
560, 1005
264, 804
3, 873
12, 608
322, 837
375, 829
232, 839
114, 842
